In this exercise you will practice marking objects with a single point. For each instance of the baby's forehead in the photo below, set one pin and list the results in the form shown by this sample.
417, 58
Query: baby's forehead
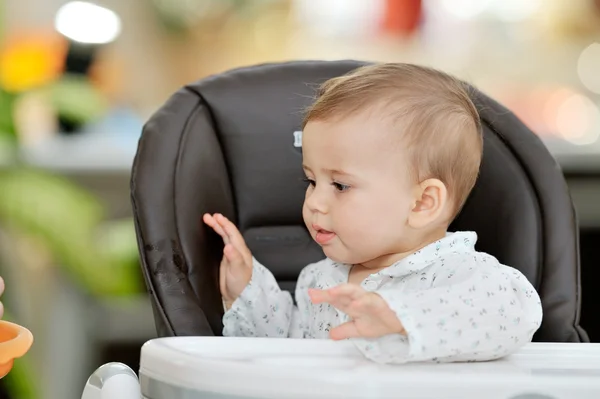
376, 127
351, 143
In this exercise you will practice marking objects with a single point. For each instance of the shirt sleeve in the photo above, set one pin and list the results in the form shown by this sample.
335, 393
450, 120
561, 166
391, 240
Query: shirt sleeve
480, 310
264, 310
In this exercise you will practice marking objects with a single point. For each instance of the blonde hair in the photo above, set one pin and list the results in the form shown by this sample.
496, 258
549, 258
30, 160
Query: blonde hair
441, 128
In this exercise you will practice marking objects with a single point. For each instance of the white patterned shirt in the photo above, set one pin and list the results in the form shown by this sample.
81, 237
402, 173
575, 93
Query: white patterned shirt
455, 304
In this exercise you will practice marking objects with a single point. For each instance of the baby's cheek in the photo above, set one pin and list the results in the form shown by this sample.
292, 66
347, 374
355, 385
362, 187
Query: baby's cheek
305, 209
306, 215
359, 230
374, 232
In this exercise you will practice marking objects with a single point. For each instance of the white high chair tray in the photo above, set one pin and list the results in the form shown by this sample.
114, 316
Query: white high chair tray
245, 368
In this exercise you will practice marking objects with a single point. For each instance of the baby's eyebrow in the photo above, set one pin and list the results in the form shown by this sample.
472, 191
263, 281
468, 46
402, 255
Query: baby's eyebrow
338, 172
329, 171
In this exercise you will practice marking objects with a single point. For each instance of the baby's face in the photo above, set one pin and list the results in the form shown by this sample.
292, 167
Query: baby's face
360, 195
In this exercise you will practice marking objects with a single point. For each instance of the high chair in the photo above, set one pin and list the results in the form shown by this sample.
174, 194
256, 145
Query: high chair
231, 144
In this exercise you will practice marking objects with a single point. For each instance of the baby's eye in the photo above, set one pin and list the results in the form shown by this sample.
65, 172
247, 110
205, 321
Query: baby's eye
340, 187
309, 181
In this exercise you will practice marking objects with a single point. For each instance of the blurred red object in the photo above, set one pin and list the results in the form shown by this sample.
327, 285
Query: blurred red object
402, 16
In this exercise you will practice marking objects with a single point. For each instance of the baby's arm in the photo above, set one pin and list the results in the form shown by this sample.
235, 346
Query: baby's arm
254, 304
479, 310
264, 310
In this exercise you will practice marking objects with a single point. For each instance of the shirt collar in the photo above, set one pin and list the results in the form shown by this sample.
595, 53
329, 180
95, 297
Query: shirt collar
458, 242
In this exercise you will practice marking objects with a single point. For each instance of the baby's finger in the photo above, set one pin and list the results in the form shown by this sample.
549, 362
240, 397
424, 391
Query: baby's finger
234, 258
340, 302
212, 222
235, 237
351, 291
318, 296
344, 331
223, 277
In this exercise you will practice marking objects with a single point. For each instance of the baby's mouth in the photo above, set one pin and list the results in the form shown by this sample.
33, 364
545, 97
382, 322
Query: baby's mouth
323, 236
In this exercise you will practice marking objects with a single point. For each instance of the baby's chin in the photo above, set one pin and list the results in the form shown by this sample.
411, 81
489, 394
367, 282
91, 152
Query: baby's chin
341, 256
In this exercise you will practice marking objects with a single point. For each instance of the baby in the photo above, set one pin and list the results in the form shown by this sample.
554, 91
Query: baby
390, 153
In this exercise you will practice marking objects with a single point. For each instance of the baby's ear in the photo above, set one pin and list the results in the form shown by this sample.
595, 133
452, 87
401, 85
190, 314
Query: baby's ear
431, 203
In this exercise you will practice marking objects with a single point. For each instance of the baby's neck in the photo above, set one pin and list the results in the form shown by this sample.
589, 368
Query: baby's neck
387, 260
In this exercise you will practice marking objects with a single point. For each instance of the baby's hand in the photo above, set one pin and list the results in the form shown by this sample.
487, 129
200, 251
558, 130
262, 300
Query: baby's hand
1, 291
371, 316
236, 265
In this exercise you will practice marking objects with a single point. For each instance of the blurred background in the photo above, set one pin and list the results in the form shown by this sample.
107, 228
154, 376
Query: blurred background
78, 79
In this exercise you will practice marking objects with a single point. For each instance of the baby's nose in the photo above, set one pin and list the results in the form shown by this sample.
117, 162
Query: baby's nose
316, 202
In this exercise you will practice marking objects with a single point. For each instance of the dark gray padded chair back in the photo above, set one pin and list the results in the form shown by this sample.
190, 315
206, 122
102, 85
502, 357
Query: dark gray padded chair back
227, 144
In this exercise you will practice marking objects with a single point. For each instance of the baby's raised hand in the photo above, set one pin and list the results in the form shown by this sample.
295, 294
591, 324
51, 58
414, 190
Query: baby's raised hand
236, 265
371, 317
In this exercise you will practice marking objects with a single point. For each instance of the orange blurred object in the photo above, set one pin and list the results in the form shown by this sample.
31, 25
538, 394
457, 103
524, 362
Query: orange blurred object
107, 75
402, 16
31, 60
15, 341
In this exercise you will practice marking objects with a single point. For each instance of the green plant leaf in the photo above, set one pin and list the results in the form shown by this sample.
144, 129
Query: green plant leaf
7, 126
66, 218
